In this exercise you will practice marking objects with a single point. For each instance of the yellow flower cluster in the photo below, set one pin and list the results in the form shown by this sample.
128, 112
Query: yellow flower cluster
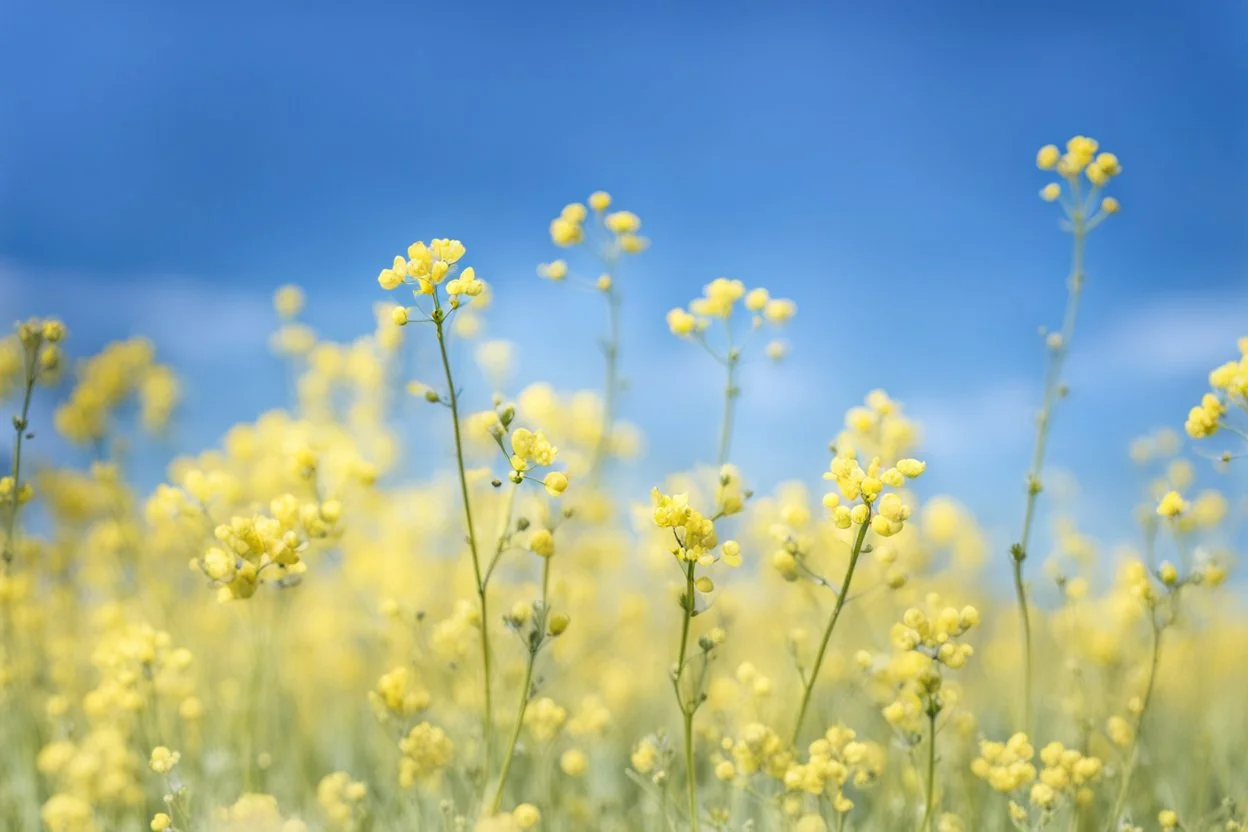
1229, 383
398, 695
254, 812
880, 428
545, 718
935, 631
427, 751
833, 760
531, 449
266, 548
31, 355
163, 760
1081, 157
568, 229
854, 483
426, 268
1065, 777
141, 675
757, 749
719, 299
107, 381
342, 800
695, 533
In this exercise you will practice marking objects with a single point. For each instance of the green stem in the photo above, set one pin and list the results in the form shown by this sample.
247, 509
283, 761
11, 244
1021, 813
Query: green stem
691, 778
1052, 392
535, 646
827, 632
731, 392
931, 770
611, 387
515, 732
687, 709
504, 533
1132, 757
20, 425
453, 398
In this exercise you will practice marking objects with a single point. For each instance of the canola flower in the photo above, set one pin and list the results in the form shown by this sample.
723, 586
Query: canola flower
1084, 208
308, 626
611, 235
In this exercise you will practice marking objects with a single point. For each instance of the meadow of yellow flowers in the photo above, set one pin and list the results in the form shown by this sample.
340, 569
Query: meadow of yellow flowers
296, 631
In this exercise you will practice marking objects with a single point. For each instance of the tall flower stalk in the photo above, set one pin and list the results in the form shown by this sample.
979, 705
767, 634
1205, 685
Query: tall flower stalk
433, 272
40, 358
610, 235
1083, 212
695, 543
860, 501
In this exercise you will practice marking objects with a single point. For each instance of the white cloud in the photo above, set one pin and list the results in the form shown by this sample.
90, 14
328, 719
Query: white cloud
189, 319
1169, 338
1161, 341
975, 424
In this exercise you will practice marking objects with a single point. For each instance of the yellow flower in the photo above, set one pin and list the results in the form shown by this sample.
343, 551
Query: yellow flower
681, 322
1171, 505
555, 270
556, 483
526, 815
542, 543
623, 222
600, 201
573, 762
163, 760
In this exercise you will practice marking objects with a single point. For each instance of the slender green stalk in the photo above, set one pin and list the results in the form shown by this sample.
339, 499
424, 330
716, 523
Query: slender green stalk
854, 554
20, 425
731, 393
687, 709
439, 321
611, 350
1133, 755
504, 533
535, 646
691, 778
515, 732
1044, 423
931, 770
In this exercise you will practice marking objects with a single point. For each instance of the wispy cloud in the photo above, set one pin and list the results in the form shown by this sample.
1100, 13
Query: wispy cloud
190, 319
1165, 339
1154, 343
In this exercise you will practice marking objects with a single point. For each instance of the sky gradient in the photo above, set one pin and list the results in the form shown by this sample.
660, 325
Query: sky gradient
164, 167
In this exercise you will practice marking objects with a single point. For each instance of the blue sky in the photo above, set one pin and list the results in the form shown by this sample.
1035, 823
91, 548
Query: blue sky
164, 166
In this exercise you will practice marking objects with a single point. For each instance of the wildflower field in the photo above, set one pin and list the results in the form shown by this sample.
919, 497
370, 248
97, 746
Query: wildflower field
309, 626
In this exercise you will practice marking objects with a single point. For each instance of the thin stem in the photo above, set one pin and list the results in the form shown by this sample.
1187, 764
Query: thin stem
1044, 424
931, 770
504, 533
691, 779
688, 617
535, 646
20, 425
731, 392
453, 400
611, 349
687, 709
827, 632
515, 732
1133, 755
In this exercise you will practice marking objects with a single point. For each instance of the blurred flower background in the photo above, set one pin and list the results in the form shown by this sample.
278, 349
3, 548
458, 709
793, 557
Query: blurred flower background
323, 510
